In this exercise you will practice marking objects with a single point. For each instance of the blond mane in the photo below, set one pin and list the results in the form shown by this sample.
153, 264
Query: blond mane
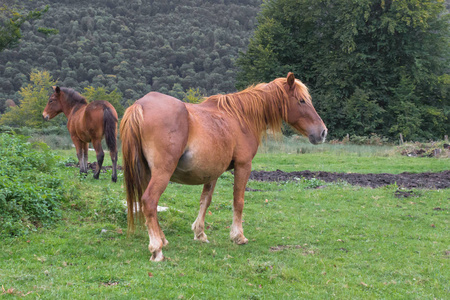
262, 106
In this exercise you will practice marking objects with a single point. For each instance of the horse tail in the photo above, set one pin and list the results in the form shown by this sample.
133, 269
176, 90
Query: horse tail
110, 128
135, 167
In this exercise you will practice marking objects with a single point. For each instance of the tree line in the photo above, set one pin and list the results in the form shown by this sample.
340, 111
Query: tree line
372, 66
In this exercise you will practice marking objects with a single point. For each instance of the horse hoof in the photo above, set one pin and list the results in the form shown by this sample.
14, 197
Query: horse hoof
114, 179
201, 237
96, 176
157, 256
240, 240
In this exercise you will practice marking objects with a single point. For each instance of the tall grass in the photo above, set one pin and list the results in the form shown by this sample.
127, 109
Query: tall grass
301, 145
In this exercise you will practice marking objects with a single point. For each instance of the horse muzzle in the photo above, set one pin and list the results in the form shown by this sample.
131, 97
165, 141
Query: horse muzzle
319, 137
46, 117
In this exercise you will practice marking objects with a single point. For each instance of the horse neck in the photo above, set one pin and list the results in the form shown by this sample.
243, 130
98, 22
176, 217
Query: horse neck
68, 106
267, 108
273, 107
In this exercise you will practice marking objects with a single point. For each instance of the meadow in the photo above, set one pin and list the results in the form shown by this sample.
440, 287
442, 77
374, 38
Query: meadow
336, 241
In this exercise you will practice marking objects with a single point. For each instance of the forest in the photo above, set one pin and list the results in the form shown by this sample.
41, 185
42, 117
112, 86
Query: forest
373, 67
133, 46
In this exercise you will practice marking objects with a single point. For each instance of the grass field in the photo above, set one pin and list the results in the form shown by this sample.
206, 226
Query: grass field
340, 241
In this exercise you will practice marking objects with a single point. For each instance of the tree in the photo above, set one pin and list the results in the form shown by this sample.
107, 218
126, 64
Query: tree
11, 20
354, 56
194, 96
34, 99
177, 91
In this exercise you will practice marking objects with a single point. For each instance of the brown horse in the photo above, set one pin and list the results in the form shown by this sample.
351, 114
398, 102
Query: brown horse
86, 123
164, 139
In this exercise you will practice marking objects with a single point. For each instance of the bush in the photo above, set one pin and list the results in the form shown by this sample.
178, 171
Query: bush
30, 194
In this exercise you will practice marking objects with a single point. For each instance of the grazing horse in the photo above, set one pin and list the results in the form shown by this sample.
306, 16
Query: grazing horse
86, 123
164, 139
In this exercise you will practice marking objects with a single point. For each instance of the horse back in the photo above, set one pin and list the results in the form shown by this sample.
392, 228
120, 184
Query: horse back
165, 126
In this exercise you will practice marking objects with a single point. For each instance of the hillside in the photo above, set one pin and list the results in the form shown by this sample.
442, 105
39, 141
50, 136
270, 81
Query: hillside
136, 46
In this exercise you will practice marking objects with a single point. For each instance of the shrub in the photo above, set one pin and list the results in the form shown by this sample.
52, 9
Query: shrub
30, 195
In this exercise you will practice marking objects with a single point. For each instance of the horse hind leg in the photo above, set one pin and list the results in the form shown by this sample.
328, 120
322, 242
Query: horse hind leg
158, 183
113, 155
205, 200
100, 156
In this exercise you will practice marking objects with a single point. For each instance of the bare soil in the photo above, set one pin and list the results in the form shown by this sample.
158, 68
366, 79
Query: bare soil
440, 180
406, 180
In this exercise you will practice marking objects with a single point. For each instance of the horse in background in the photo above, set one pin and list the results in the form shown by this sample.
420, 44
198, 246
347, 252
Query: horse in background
86, 123
164, 139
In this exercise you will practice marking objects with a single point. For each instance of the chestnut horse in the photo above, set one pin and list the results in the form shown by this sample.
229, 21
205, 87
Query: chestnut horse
164, 139
86, 123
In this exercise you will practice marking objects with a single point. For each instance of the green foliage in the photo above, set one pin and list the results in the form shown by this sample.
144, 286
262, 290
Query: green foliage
372, 66
30, 193
11, 21
405, 107
194, 96
34, 99
100, 93
177, 91
111, 208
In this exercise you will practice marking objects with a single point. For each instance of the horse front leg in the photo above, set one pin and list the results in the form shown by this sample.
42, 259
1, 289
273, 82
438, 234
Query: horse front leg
241, 175
150, 200
205, 200
100, 156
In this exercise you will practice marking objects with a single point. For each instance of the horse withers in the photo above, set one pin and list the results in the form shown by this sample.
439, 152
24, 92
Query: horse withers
86, 123
164, 139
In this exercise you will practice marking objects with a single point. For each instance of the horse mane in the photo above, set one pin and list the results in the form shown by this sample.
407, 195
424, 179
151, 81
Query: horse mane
73, 97
261, 106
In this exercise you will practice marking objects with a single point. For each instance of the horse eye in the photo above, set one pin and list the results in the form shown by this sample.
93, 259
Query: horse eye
302, 101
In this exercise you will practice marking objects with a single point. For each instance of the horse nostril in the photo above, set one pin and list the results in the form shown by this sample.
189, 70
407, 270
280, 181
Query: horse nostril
324, 133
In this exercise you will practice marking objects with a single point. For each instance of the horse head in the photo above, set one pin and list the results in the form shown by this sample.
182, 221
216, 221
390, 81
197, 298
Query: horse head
301, 113
53, 107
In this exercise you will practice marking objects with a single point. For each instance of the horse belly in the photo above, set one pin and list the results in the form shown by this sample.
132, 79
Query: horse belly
200, 167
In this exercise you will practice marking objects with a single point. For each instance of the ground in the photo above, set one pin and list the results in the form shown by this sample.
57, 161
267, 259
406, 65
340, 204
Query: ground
406, 180
439, 180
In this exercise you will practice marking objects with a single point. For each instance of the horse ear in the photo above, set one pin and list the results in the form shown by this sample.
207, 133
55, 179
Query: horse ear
290, 79
57, 89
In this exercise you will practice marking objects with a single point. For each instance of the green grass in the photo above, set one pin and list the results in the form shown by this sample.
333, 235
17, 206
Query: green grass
341, 241
340, 158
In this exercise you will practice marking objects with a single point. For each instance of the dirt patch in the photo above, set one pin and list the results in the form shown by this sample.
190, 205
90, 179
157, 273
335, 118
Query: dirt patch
93, 166
406, 180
